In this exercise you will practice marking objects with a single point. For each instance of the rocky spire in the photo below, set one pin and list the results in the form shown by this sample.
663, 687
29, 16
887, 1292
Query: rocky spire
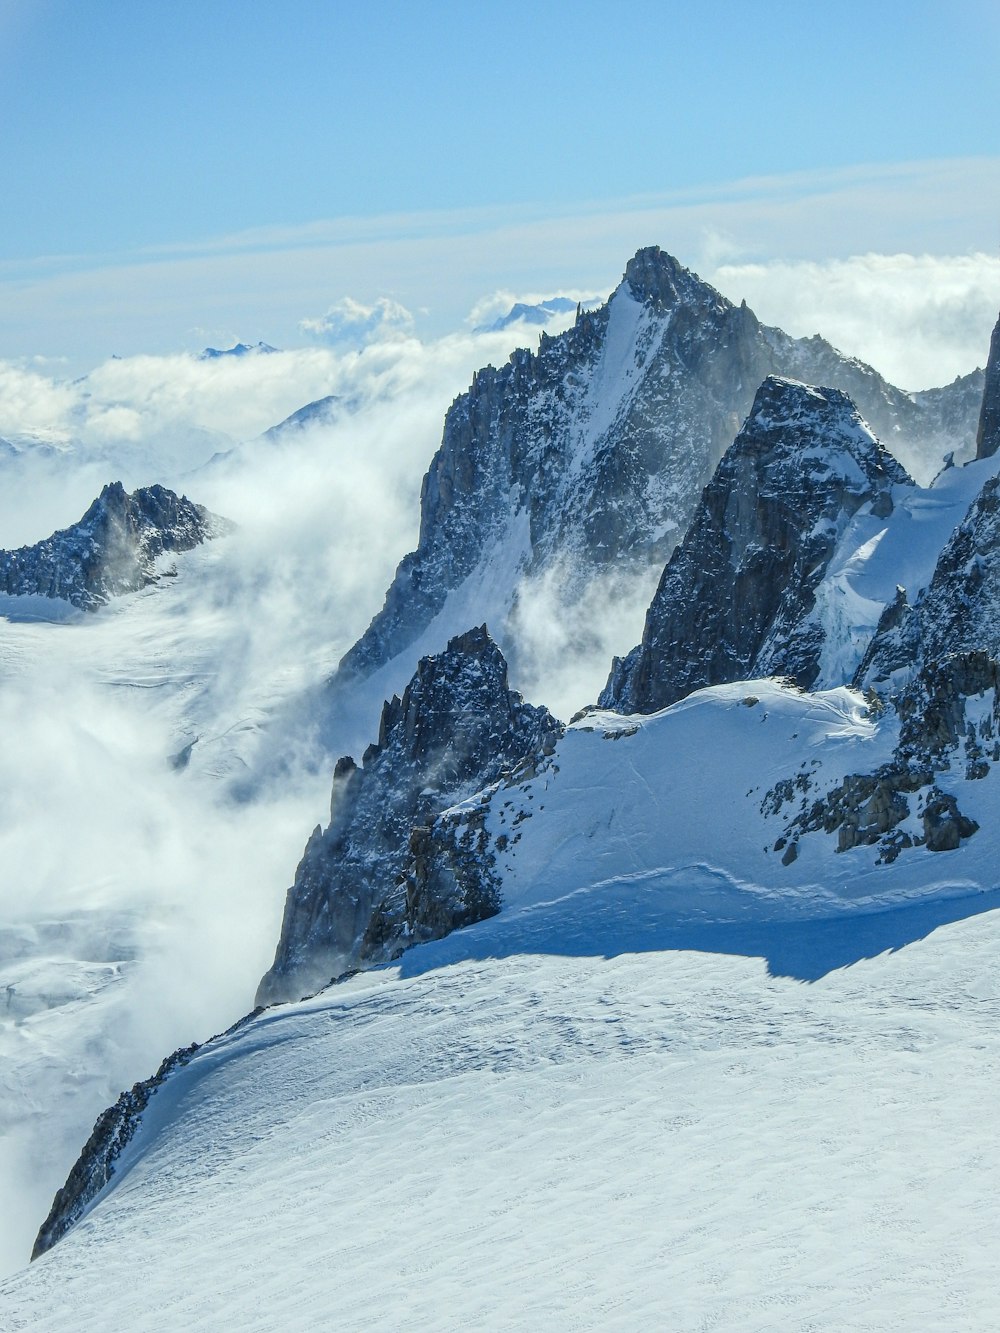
113, 548
735, 599
456, 729
988, 435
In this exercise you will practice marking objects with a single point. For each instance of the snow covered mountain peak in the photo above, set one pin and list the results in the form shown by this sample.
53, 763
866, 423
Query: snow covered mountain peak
112, 550
237, 350
569, 474
736, 597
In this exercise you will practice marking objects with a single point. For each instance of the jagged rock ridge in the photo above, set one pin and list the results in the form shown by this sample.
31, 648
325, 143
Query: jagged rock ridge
949, 719
988, 434
592, 453
735, 598
112, 550
96, 1164
456, 729
957, 612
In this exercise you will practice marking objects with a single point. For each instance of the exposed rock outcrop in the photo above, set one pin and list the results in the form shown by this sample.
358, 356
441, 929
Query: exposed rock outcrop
96, 1164
456, 729
949, 724
988, 435
112, 550
735, 599
957, 612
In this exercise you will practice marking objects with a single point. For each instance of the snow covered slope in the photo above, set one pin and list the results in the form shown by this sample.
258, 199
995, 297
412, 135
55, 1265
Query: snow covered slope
585, 1115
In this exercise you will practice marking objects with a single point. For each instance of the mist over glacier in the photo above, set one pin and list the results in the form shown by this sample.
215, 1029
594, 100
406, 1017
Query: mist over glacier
140, 900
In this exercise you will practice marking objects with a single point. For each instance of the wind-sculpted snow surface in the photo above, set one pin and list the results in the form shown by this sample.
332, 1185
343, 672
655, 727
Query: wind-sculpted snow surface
456, 729
735, 600
589, 457
112, 550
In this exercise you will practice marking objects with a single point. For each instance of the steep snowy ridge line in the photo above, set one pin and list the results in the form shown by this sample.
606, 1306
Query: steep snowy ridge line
605, 436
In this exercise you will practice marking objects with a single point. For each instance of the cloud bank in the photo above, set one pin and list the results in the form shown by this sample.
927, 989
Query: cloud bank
351, 321
918, 319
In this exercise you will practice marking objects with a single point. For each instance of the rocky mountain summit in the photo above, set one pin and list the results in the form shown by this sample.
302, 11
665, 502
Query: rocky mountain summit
358, 895
588, 457
736, 597
112, 550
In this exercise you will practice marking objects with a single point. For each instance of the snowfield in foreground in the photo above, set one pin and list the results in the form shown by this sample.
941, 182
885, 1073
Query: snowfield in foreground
675, 1082
577, 1117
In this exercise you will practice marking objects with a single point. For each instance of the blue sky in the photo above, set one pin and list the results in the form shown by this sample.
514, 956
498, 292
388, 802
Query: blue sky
140, 138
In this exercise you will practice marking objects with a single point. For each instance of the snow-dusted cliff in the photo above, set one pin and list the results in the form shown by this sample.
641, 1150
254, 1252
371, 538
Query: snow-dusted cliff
737, 596
988, 434
581, 465
456, 729
112, 550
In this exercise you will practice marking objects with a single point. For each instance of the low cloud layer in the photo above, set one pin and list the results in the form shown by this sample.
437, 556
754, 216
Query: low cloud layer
918, 319
351, 321
101, 837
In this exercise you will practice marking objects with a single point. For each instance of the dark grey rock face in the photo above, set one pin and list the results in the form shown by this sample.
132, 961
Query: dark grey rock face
113, 548
959, 610
456, 729
736, 595
96, 1164
947, 414
592, 453
944, 726
988, 435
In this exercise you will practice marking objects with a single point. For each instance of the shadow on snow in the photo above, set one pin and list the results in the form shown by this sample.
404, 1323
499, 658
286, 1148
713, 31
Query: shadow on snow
605, 925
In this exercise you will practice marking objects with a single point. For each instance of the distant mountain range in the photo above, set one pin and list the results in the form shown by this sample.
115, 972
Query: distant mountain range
238, 349
524, 313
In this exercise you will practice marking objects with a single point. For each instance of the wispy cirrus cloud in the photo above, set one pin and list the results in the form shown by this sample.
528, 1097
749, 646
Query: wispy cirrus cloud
260, 283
